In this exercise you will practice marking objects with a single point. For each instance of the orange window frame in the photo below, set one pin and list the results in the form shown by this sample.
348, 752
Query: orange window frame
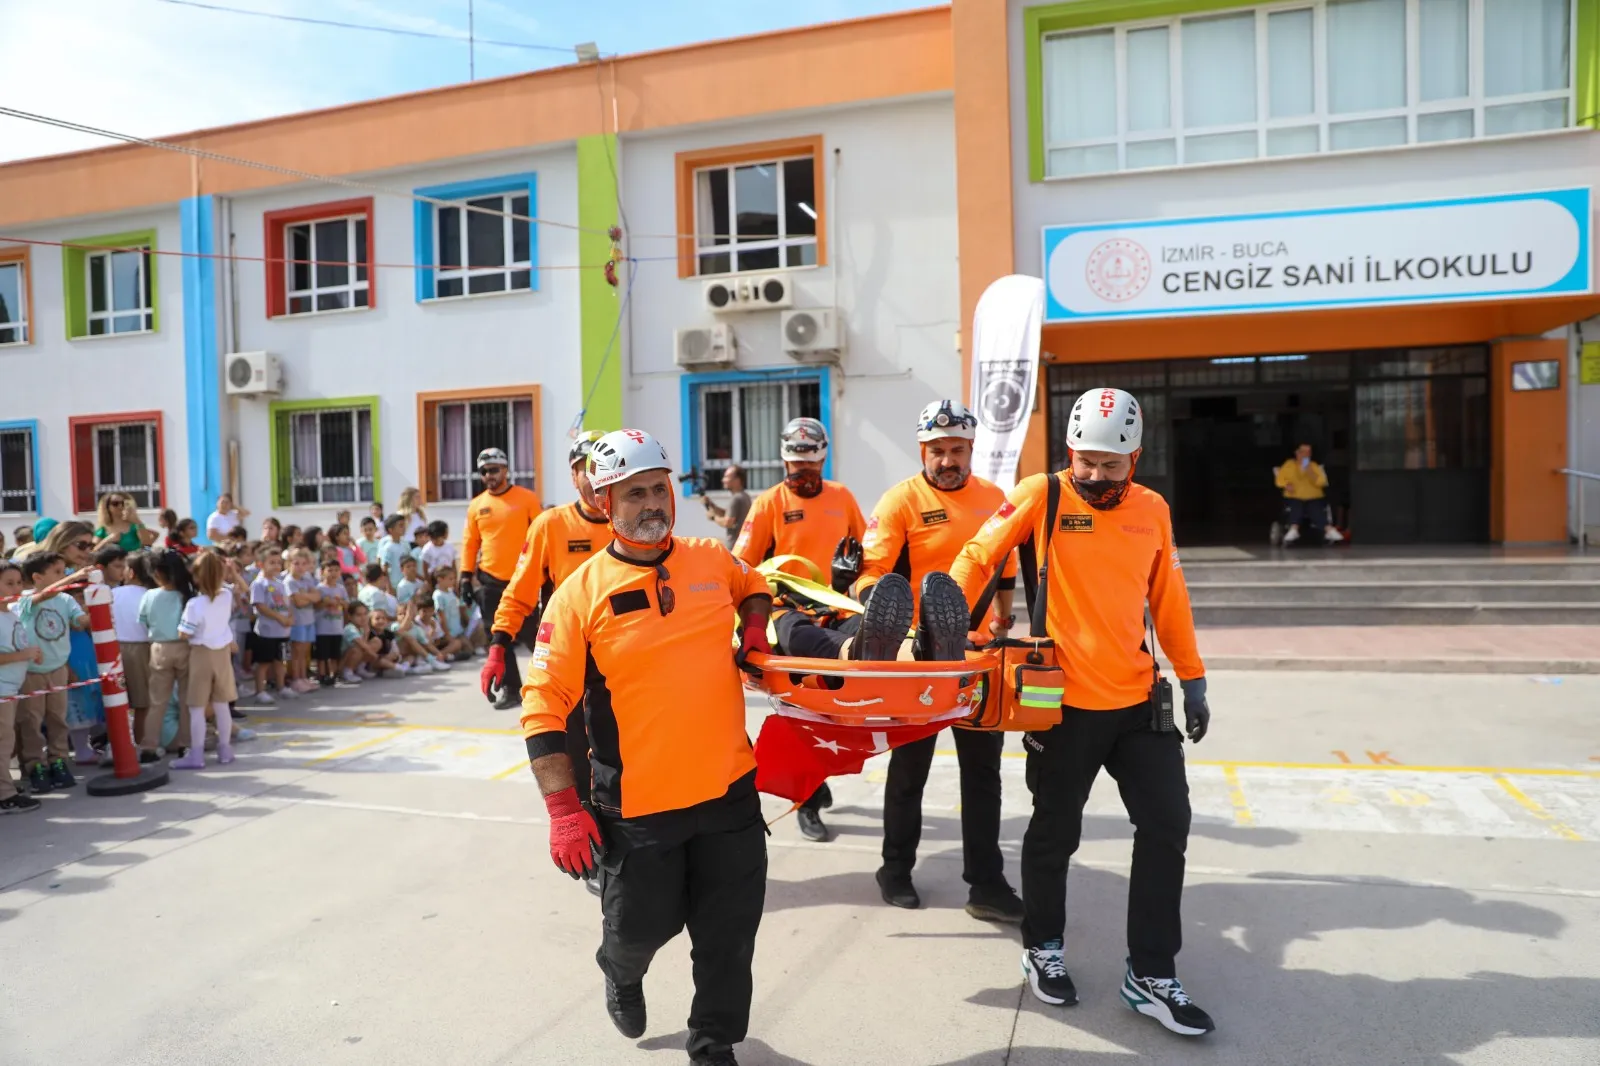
428, 432
80, 431
688, 163
22, 254
276, 222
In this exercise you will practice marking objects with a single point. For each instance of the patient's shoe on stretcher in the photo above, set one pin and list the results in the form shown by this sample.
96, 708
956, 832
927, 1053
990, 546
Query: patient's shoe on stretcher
884, 622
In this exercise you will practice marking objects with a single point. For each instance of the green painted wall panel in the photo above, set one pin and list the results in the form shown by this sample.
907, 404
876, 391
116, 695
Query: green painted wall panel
599, 303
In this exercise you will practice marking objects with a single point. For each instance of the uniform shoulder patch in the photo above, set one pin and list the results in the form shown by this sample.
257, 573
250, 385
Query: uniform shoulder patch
1077, 523
1007, 509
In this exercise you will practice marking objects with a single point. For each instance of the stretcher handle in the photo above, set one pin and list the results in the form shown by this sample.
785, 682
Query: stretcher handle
787, 664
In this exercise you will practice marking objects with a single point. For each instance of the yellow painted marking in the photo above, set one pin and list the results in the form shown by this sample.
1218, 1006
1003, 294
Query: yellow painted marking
370, 742
1560, 828
471, 751
510, 771
1341, 796
324, 723
1241, 806
1409, 797
1510, 771
432, 749
1383, 757
1342, 756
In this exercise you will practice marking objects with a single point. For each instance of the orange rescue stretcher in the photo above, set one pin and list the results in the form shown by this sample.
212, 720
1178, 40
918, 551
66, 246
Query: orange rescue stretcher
1009, 685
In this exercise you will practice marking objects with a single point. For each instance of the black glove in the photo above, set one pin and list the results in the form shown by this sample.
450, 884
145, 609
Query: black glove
846, 564
1196, 715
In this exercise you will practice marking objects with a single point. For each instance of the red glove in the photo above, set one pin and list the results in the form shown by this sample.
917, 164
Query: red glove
574, 838
753, 637
493, 674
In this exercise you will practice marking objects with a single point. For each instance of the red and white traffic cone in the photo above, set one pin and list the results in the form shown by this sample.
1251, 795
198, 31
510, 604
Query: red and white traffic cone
127, 776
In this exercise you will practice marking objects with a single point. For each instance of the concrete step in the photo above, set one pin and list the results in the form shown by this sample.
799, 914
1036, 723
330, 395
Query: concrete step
1296, 613
1318, 590
1334, 568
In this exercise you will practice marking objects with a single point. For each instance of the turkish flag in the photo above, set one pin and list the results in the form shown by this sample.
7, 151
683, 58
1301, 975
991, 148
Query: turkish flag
793, 756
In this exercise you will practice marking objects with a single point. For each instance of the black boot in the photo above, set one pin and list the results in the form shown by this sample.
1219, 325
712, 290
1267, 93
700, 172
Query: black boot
944, 616
625, 1004
885, 621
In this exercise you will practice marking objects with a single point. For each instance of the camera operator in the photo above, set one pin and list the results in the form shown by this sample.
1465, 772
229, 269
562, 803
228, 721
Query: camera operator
730, 518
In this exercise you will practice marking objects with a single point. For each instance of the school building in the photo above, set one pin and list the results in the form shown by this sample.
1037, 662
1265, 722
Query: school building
1222, 198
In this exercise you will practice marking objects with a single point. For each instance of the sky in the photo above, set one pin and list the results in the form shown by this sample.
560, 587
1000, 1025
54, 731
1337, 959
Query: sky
152, 68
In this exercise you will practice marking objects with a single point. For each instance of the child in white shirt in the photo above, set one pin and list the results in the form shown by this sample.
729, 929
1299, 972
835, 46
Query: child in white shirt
208, 624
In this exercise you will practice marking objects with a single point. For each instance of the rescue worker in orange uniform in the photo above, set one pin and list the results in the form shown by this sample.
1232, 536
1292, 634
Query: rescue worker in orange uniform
559, 541
1110, 552
917, 529
816, 519
497, 527
639, 634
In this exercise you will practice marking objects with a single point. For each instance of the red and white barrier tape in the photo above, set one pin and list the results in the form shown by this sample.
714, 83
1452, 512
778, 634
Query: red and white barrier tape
57, 688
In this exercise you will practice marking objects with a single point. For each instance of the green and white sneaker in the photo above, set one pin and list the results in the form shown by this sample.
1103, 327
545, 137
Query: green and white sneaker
1164, 999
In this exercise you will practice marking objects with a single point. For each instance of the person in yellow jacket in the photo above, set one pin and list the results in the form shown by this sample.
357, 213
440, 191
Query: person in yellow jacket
1304, 484
639, 634
1108, 553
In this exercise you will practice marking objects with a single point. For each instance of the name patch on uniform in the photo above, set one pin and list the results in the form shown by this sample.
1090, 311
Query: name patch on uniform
1077, 523
580, 545
484, 512
632, 600
793, 516
933, 518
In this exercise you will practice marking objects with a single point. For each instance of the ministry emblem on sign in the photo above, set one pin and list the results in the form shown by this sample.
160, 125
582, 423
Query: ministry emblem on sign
1118, 270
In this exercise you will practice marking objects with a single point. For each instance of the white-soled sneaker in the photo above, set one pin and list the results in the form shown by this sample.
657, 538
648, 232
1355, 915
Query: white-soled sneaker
264, 698
1045, 968
1164, 999
288, 693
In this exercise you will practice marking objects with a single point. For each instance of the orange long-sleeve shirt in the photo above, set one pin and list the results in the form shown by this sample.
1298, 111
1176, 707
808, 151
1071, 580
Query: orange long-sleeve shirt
916, 529
559, 541
497, 527
1103, 567
662, 698
782, 522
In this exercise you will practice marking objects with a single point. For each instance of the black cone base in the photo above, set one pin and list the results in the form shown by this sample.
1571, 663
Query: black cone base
150, 776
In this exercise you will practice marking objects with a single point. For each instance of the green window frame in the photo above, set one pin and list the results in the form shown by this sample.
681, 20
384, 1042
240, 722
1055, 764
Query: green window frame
354, 477
75, 279
1045, 19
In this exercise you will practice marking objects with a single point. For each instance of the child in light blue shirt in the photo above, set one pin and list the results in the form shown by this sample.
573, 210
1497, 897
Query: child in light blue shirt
16, 652
409, 582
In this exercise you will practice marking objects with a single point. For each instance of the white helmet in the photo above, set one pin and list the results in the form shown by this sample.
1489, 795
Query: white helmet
804, 441
493, 457
1105, 420
946, 418
623, 453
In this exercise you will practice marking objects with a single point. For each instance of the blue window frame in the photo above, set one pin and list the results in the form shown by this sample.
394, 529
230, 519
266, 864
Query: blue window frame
19, 467
736, 416
464, 252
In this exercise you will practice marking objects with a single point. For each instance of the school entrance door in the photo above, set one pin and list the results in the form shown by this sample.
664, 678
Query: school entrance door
1403, 433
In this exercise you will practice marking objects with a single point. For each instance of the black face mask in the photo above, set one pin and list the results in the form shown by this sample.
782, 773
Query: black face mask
804, 483
1102, 495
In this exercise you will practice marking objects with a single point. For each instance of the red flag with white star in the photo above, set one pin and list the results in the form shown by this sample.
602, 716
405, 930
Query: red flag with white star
793, 757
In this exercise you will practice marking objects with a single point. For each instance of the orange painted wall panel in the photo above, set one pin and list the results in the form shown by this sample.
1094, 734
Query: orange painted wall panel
1528, 499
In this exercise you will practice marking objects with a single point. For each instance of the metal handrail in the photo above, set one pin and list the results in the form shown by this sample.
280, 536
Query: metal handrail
1583, 477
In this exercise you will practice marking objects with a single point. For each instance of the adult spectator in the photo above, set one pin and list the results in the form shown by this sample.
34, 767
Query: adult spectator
119, 525
225, 519
1304, 484
20, 536
40, 530
730, 518
410, 506
497, 526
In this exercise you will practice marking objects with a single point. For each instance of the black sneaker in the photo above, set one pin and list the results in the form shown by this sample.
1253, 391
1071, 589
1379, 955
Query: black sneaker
811, 825
1046, 971
1164, 999
19, 804
60, 776
994, 903
897, 890
38, 779
885, 621
715, 1058
625, 1004
944, 616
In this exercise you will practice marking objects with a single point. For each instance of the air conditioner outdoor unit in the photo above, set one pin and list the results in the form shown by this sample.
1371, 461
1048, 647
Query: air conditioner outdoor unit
758, 292
813, 330
704, 346
254, 374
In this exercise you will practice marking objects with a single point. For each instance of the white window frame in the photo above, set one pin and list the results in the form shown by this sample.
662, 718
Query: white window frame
526, 478
20, 321
354, 254
29, 492
465, 273
752, 467
320, 482
145, 312
1320, 117
104, 484
734, 248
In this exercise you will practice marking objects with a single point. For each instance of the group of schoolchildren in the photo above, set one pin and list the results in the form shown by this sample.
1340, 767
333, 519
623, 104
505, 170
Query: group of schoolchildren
202, 629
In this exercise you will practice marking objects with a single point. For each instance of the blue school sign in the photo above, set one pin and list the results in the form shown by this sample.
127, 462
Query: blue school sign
1478, 248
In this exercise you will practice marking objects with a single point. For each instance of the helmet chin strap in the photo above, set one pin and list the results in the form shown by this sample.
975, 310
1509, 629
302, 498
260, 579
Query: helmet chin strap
604, 499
